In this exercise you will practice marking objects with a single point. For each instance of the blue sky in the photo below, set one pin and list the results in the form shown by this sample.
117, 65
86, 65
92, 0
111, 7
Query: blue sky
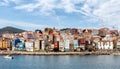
39, 14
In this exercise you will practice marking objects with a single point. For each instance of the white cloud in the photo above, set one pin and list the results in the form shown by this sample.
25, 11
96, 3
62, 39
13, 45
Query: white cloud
105, 10
4, 3
28, 7
16, 1
7, 2
50, 5
67, 6
109, 12
23, 25
43, 6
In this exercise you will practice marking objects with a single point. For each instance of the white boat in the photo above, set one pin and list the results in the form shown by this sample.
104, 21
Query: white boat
8, 57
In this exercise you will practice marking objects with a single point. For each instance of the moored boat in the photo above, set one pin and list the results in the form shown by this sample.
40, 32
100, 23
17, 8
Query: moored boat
8, 57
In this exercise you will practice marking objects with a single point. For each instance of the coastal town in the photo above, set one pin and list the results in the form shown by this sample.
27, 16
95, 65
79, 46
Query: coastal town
63, 40
59, 34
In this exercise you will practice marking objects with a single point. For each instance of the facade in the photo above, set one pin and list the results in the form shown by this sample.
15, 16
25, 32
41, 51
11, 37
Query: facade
64, 40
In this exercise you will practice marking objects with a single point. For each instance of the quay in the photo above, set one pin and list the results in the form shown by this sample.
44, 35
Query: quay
58, 53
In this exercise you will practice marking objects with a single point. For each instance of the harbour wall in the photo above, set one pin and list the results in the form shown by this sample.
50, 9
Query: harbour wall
58, 53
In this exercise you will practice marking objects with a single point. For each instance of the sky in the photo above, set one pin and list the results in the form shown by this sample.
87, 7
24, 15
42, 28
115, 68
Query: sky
40, 14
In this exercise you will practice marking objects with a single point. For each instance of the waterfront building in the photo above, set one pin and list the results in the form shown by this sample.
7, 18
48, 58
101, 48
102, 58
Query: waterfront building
66, 39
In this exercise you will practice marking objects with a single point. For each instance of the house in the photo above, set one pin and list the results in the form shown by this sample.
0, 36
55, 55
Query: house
103, 32
95, 32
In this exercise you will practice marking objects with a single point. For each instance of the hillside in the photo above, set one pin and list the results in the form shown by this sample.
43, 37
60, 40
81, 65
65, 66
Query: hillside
11, 30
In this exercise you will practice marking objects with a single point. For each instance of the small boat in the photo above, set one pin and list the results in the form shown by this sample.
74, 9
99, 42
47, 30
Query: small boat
8, 57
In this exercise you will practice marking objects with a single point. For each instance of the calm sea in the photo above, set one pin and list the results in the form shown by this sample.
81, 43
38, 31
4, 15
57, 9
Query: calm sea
61, 62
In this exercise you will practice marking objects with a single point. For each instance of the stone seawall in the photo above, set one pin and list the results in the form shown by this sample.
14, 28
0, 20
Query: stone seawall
58, 53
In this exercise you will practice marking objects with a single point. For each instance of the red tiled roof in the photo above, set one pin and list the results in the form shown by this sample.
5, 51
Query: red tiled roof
112, 31
103, 28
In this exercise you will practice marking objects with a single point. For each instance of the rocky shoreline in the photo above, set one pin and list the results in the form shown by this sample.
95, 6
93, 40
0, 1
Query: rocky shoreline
58, 53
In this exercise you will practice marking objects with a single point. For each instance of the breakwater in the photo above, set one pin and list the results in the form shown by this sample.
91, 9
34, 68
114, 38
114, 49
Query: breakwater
59, 53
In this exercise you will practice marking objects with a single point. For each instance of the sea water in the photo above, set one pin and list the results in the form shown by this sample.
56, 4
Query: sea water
61, 62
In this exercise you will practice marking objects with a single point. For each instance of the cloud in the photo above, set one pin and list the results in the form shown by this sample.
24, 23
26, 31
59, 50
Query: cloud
4, 3
16, 1
105, 11
28, 7
8, 2
42, 6
23, 25
109, 12
50, 6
